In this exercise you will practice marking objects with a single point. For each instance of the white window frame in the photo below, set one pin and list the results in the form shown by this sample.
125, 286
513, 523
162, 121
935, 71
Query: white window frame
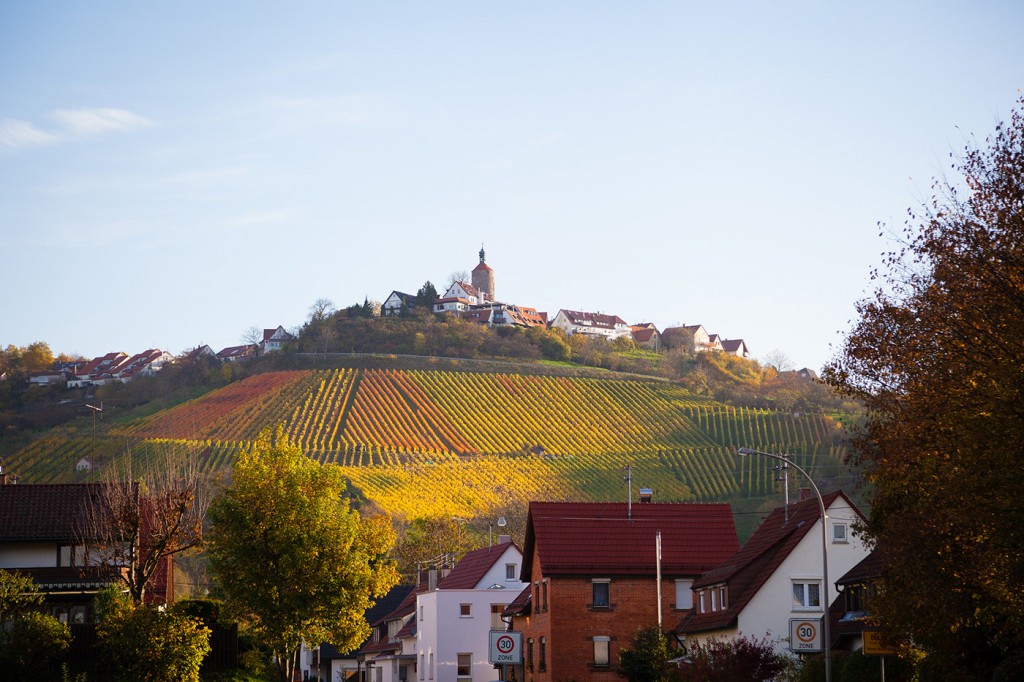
510, 571
602, 649
840, 534
801, 600
466, 610
468, 675
608, 593
684, 594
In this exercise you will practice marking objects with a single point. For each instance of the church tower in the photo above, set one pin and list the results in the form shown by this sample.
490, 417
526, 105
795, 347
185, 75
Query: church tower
483, 278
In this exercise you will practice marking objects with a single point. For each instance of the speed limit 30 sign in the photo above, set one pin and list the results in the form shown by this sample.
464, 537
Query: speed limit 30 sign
805, 635
506, 648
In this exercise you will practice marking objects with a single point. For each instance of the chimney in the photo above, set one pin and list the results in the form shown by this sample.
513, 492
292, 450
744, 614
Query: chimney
504, 539
805, 494
432, 580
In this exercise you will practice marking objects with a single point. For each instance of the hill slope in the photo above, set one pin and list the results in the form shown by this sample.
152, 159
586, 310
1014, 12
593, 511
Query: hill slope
430, 443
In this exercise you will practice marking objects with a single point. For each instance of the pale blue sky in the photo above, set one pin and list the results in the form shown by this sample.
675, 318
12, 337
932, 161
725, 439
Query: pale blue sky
175, 173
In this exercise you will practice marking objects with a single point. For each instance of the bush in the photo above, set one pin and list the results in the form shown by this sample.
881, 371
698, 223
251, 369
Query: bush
144, 643
741, 659
32, 647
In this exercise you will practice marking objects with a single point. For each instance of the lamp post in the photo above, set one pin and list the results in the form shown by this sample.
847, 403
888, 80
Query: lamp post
824, 552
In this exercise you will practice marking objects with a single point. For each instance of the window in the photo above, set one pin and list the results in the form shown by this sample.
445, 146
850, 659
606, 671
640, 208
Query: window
431, 665
602, 653
839, 533
510, 571
600, 594
684, 594
423, 666
71, 555
721, 598
714, 600
378, 673
703, 607
544, 593
465, 667
529, 654
806, 595
543, 654
465, 610
421, 612
496, 622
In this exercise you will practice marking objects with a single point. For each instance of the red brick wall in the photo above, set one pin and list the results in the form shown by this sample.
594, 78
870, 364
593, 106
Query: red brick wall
569, 625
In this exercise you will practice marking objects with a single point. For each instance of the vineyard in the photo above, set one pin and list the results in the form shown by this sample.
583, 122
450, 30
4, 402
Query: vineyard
423, 443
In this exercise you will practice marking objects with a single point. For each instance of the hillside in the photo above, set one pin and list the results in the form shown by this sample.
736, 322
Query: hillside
438, 443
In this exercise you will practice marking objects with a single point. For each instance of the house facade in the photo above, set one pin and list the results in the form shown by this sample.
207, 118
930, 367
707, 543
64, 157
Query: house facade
397, 303
274, 339
609, 327
591, 573
42, 535
777, 575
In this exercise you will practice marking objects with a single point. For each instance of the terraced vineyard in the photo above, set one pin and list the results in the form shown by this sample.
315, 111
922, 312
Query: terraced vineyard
425, 443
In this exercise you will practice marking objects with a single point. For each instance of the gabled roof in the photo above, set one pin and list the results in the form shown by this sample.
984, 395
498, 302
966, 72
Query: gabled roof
643, 335
867, 569
581, 538
520, 606
733, 345
44, 512
406, 299
748, 569
473, 566
594, 319
237, 351
381, 608
104, 363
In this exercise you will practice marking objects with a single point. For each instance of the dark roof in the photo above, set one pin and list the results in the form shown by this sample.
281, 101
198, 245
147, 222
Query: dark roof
48, 511
869, 568
581, 538
473, 566
595, 319
748, 569
520, 606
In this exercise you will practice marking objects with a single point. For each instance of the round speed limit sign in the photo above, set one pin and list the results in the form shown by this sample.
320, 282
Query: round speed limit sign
805, 635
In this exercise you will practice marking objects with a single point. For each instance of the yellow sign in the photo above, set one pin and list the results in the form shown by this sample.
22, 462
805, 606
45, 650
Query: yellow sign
876, 643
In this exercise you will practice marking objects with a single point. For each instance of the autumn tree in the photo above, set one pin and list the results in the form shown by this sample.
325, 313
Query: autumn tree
320, 310
935, 356
291, 557
646, 659
31, 642
140, 517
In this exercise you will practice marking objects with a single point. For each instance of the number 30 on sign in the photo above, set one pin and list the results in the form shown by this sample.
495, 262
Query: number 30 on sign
805, 635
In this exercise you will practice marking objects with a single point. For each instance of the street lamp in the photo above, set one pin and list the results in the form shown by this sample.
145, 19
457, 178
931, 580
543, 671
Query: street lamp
824, 551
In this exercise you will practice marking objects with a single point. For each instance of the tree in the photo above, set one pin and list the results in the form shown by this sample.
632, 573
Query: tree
457, 276
31, 643
138, 523
321, 309
152, 645
935, 357
647, 659
291, 557
253, 336
426, 296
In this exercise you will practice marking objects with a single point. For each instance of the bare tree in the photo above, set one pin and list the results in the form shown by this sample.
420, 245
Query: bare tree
252, 336
457, 276
138, 519
778, 360
321, 309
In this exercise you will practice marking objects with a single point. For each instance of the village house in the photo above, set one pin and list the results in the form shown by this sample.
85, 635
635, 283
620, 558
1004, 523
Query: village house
646, 335
397, 303
591, 579
43, 535
118, 366
274, 339
777, 575
609, 327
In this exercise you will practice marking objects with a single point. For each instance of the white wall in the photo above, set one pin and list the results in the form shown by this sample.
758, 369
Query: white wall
771, 608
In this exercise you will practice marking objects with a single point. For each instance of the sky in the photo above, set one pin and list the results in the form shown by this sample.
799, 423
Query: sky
173, 174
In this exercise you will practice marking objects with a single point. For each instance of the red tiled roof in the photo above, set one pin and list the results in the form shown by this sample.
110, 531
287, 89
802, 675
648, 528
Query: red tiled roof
46, 511
643, 335
482, 266
521, 604
573, 538
867, 569
472, 567
747, 570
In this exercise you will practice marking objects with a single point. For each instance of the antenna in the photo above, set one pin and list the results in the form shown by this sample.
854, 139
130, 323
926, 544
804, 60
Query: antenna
628, 478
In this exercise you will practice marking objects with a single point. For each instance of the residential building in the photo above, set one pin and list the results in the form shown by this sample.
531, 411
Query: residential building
274, 339
591, 571
236, 353
609, 327
646, 335
737, 347
43, 535
777, 575
397, 303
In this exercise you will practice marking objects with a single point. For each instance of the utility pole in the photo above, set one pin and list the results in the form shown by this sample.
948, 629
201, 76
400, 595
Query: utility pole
628, 478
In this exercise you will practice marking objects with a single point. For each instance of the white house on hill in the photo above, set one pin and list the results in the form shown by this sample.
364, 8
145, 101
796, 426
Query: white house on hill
610, 327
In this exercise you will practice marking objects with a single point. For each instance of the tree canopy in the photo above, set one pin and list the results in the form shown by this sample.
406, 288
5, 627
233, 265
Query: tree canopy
290, 556
936, 358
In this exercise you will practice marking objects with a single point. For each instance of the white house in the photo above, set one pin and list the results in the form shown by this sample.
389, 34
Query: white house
396, 302
609, 327
274, 339
777, 575
466, 292
455, 618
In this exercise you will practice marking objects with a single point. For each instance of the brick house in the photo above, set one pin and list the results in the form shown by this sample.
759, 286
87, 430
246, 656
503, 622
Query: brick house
592, 569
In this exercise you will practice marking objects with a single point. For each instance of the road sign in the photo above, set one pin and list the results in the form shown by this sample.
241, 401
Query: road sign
506, 648
876, 643
805, 635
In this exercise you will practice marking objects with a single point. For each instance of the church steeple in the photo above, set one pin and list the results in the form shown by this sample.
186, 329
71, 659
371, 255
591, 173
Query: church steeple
482, 258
